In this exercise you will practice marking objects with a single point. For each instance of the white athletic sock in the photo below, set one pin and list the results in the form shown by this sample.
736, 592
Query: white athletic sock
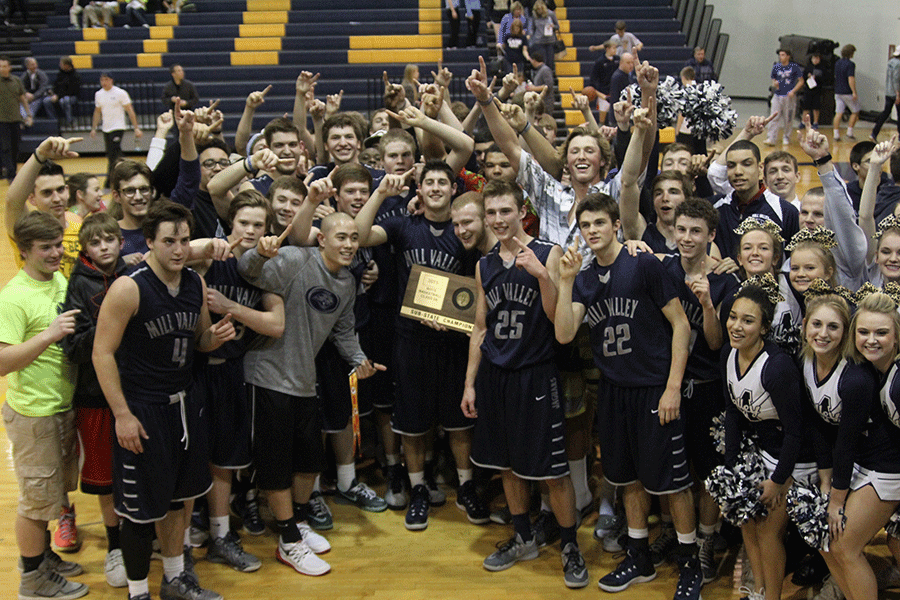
638, 534
417, 478
345, 476
464, 475
173, 566
545, 503
607, 498
187, 536
218, 527
578, 473
849, 132
707, 530
316, 485
392, 459
837, 133
687, 538
136, 588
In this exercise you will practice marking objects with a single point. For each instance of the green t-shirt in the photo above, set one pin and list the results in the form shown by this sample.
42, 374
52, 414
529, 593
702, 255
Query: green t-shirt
27, 307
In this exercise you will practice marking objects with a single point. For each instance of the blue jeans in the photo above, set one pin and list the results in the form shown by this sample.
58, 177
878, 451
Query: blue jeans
66, 103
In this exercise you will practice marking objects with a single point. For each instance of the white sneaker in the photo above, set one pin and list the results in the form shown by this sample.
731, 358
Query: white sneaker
115, 569
301, 557
316, 542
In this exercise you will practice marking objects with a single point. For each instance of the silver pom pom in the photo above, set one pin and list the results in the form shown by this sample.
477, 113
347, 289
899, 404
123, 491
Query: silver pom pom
808, 508
737, 491
893, 526
708, 109
669, 100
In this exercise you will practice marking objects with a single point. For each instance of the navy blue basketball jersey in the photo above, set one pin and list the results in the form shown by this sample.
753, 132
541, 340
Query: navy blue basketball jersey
657, 241
223, 276
631, 339
419, 241
384, 290
157, 350
519, 333
703, 363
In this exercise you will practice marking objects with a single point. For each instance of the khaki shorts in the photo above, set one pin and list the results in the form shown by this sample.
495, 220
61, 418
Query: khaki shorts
45, 459
579, 374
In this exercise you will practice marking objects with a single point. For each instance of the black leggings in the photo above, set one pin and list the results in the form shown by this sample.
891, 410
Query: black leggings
137, 546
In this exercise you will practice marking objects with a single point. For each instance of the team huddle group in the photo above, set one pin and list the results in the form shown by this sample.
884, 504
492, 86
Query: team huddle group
189, 339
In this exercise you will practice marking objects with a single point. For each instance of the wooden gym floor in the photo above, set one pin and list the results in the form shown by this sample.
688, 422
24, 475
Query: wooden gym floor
374, 556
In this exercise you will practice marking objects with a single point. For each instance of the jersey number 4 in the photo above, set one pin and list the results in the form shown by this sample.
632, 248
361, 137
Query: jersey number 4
615, 338
179, 351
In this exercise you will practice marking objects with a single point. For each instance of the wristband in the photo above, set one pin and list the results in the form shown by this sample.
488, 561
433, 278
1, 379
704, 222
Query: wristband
526, 128
821, 161
248, 166
37, 158
489, 100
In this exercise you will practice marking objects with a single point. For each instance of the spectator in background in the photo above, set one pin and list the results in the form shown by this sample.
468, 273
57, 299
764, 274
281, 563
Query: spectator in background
683, 133
111, 103
137, 14
621, 79
787, 79
542, 33
703, 69
64, 94
473, 17
516, 46
601, 76
453, 7
76, 9
814, 76
36, 84
891, 94
12, 95
543, 78
845, 92
515, 12
625, 41
179, 88
410, 77
498, 9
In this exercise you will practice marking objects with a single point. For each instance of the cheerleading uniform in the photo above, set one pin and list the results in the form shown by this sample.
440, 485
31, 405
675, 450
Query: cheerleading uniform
878, 441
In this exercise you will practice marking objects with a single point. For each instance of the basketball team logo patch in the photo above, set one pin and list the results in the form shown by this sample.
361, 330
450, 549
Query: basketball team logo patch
463, 298
322, 300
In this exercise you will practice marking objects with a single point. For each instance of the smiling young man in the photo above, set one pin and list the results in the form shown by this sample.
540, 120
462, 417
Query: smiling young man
37, 414
342, 137
511, 361
149, 325
781, 175
632, 309
431, 382
319, 292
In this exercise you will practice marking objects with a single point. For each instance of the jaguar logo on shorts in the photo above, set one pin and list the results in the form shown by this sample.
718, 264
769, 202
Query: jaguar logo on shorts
463, 298
322, 300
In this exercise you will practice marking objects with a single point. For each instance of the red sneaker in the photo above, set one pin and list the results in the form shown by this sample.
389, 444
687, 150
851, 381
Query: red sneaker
65, 539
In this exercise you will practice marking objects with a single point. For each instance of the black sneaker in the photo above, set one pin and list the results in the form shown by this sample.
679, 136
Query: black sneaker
707, 555
633, 569
246, 508
690, 579
664, 544
436, 496
396, 494
545, 528
467, 499
419, 504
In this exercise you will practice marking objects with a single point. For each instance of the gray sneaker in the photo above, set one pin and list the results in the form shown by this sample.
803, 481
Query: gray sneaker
44, 583
318, 515
707, 555
185, 588
189, 563
510, 552
664, 544
396, 494
66, 568
575, 572
228, 551
362, 496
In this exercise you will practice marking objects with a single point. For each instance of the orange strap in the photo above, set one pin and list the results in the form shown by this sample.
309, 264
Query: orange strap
354, 400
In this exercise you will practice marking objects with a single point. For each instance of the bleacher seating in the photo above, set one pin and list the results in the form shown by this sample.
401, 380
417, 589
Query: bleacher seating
230, 48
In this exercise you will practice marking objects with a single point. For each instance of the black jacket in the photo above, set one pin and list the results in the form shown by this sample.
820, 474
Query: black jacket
67, 83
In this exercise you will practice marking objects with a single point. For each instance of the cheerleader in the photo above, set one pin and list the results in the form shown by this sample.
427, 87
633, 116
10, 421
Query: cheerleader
764, 388
861, 504
883, 253
760, 252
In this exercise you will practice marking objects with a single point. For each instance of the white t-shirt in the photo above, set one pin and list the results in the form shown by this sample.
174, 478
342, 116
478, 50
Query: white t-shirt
112, 105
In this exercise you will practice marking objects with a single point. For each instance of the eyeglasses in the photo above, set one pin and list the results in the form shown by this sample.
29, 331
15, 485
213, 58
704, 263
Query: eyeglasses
129, 192
210, 163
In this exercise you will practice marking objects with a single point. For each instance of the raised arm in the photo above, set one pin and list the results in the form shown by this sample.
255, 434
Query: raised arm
461, 145
503, 134
245, 125
391, 185
302, 231
52, 148
568, 314
633, 223
880, 155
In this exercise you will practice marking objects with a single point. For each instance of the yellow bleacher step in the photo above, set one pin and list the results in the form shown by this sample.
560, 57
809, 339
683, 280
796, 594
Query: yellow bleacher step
265, 5
170, 19
266, 16
253, 58
429, 14
576, 83
388, 42
573, 118
94, 34
667, 135
262, 30
564, 69
395, 56
162, 32
87, 47
257, 44
156, 46
82, 61
429, 27
438, 4
152, 60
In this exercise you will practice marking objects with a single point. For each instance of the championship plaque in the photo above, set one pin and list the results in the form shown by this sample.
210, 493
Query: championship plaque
444, 297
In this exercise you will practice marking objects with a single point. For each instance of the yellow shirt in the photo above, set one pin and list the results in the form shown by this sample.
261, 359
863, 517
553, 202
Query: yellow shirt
71, 246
